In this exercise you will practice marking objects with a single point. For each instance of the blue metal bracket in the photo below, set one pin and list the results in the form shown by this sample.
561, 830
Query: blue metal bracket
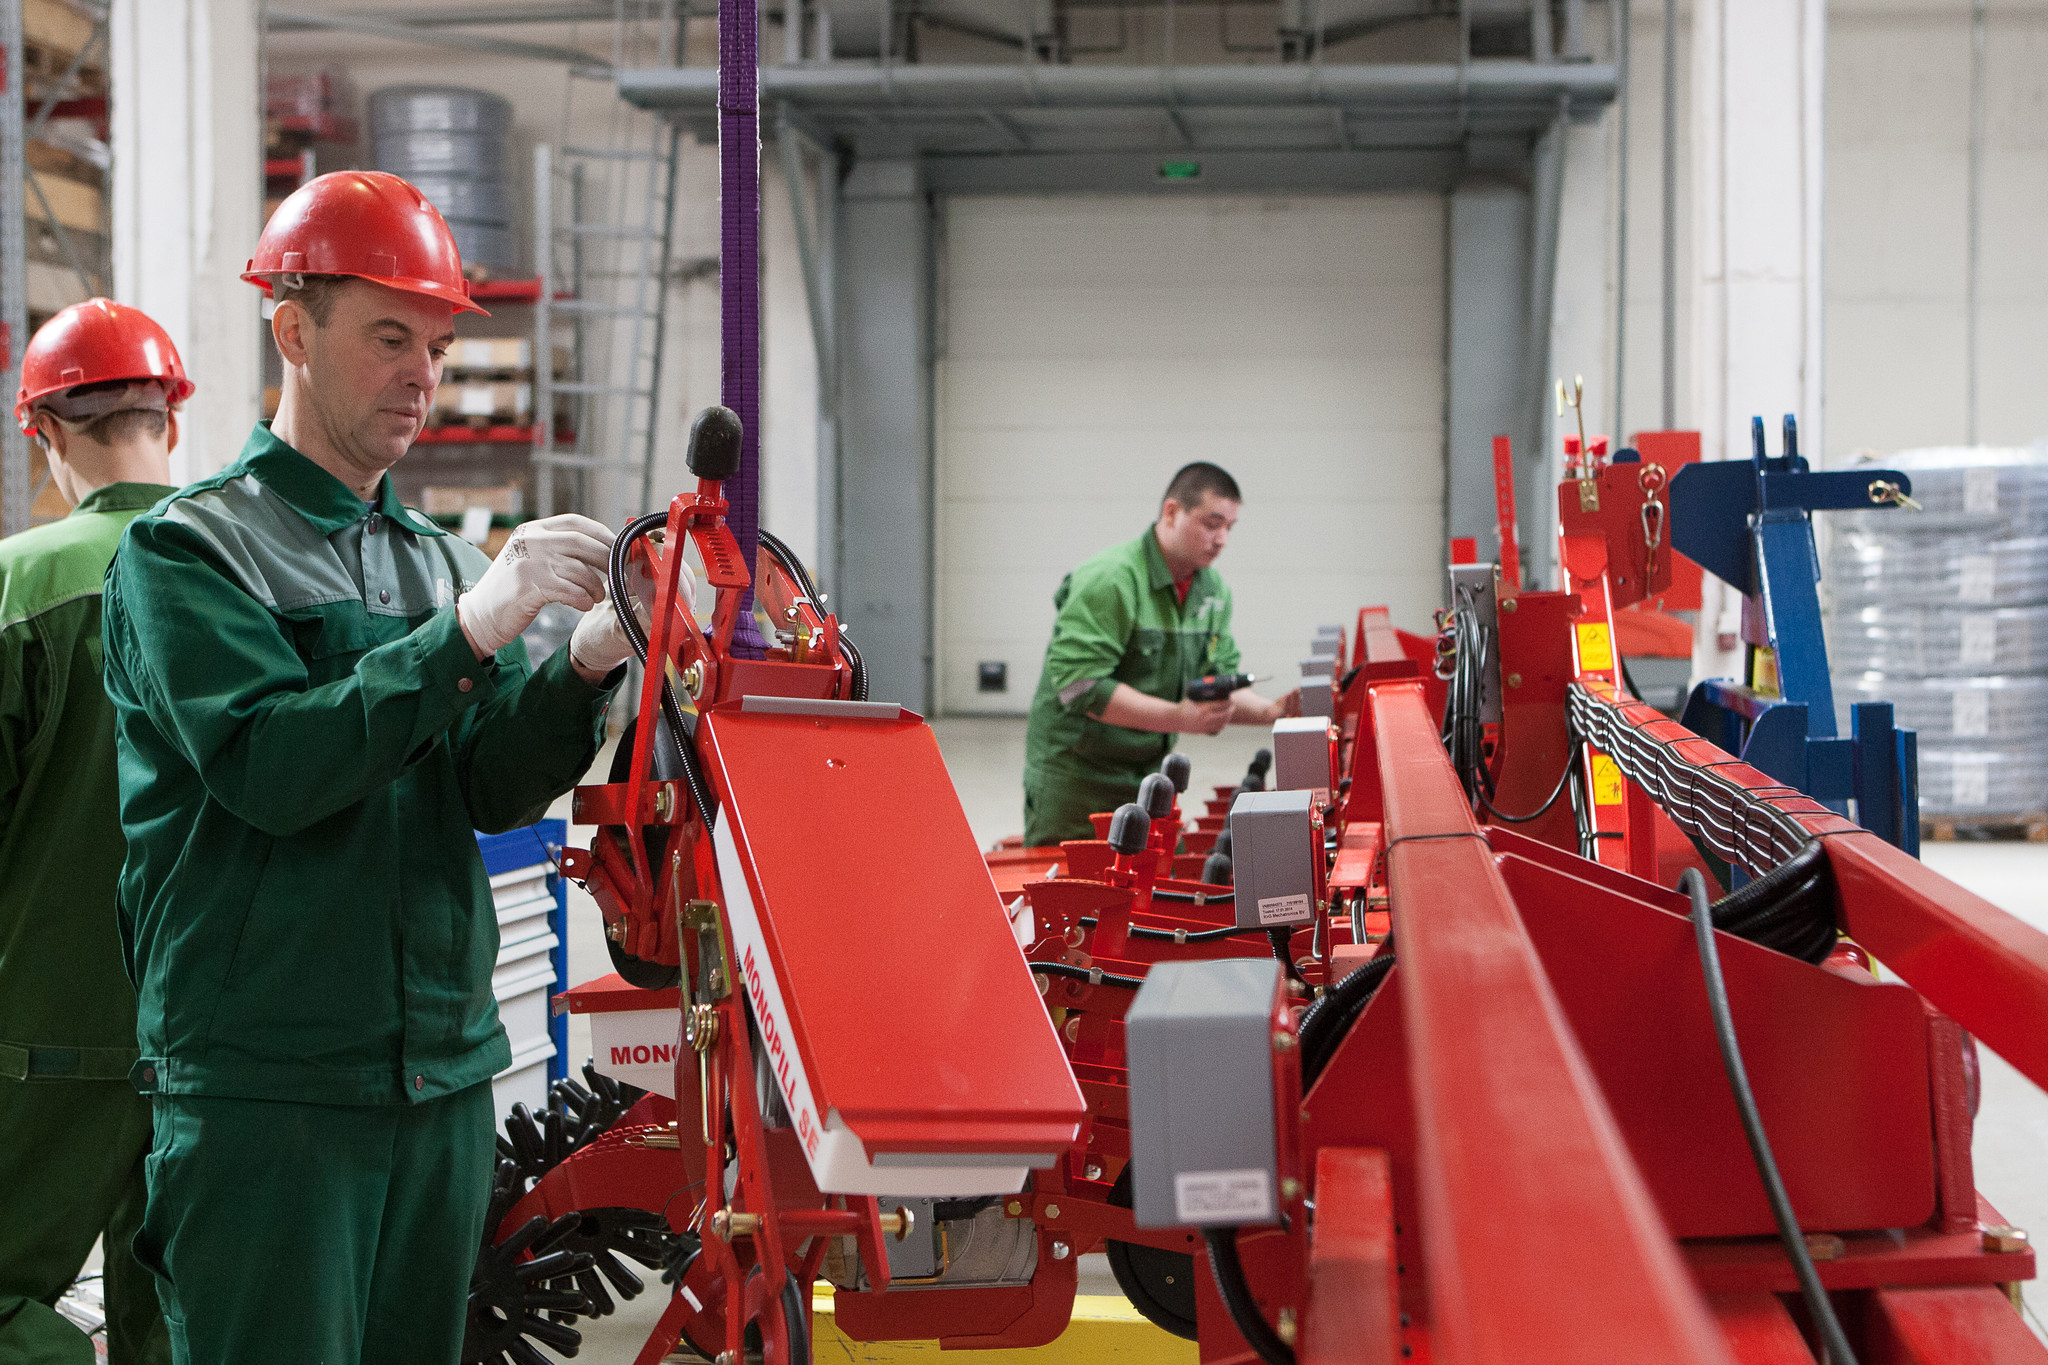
1750, 524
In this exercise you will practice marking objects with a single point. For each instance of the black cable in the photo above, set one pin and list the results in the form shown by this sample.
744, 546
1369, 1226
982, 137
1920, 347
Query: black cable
1282, 938
1817, 1304
795, 567
1178, 935
1237, 1298
619, 587
1486, 800
1094, 976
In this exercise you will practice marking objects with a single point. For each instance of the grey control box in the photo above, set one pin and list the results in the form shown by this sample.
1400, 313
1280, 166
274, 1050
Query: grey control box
1319, 697
1273, 859
1322, 666
1327, 645
1301, 751
1200, 1048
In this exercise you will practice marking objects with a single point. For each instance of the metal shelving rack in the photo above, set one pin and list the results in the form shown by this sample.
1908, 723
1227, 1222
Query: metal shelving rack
23, 199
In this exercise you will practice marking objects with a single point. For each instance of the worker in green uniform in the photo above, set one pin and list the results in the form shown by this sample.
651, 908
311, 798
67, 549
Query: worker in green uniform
101, 384
319, 696
1136, 624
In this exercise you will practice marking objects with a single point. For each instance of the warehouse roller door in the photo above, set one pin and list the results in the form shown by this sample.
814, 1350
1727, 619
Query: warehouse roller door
1089, 346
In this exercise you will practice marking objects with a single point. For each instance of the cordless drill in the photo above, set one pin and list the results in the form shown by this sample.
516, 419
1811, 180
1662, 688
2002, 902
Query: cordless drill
1216, 686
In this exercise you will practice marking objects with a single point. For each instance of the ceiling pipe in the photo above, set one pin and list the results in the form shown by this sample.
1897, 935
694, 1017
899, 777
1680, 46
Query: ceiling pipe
1581, 86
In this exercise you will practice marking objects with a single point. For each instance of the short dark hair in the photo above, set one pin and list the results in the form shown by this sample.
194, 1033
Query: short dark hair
115, 427
1197, 479
314, 293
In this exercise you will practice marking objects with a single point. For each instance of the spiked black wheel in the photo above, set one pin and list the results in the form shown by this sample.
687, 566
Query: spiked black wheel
508, 1296
605, 1235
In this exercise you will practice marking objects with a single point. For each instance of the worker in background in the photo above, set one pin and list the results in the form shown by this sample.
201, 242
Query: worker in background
1136, 624
319, 696
100, 389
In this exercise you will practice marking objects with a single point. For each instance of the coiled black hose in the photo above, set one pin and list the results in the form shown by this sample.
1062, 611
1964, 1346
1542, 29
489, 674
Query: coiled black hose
1325, 1023
620, 589
1237, 1298
1790, 909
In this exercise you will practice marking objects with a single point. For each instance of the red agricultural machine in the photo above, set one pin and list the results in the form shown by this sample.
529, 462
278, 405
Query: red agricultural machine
1507, 1094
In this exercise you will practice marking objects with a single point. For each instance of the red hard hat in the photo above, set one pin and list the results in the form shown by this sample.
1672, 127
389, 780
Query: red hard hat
367, 224
97, 342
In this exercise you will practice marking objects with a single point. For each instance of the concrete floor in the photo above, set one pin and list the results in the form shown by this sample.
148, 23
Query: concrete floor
986, 756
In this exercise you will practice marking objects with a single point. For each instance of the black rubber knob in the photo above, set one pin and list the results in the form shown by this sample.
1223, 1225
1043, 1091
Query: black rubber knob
1155, 794
1255, 775
1178, 769
714, 449
1129, 828
1216, 869
1222, 844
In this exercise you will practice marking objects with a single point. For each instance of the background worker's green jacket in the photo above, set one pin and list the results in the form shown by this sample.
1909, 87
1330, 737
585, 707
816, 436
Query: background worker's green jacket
306, 741
1119, 621
66, 1008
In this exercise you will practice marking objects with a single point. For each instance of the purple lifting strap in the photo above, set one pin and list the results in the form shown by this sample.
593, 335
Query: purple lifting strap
739, 272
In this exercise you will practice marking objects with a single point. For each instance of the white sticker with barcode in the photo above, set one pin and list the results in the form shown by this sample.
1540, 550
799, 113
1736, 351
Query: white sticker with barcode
1972, 782
1980, 641
1223, 1196
1980, 491
1972, 713
1979, 578
1283, 909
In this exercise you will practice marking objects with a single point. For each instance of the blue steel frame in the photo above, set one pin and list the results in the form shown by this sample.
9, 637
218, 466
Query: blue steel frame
532, 846
1750, 524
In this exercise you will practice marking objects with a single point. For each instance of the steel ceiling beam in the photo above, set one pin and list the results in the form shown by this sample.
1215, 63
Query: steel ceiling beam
280, 19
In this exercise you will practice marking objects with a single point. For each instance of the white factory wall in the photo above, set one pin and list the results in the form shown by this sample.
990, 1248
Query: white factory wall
1897, 243
1092, 345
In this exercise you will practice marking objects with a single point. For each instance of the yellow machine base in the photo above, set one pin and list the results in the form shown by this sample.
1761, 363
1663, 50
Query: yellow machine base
1105, 1328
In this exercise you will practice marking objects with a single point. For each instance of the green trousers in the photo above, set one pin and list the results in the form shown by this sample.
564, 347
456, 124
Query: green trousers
308, 1234
71, 1155
1059, 800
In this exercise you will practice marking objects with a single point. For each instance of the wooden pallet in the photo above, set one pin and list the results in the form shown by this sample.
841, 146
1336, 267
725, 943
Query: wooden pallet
2032, 826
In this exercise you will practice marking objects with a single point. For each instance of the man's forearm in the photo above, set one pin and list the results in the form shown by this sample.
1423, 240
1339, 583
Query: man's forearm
1249, 708
1135, 710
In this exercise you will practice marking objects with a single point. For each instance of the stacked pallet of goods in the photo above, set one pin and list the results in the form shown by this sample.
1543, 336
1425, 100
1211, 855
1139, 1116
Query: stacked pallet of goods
1944, 613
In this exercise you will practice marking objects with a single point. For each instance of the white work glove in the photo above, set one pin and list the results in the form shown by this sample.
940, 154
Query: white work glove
600, 644
561, 559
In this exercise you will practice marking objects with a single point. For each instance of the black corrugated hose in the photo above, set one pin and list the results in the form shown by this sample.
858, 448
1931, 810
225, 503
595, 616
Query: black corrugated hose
1237, 1298
1325, 1023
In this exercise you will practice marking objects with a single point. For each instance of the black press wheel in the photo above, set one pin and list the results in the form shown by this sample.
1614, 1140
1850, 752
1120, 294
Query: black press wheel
1159, 1284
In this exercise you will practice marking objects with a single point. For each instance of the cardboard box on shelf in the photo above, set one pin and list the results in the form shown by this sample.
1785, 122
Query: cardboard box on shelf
443, 500
56, 27
503, 402
75, 204
490, 353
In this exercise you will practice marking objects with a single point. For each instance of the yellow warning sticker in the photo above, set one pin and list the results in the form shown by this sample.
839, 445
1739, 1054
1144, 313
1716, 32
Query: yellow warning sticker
1596, 647
1607, 785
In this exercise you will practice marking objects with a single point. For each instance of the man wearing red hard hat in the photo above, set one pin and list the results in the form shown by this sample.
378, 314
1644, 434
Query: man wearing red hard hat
319, 695
100, 389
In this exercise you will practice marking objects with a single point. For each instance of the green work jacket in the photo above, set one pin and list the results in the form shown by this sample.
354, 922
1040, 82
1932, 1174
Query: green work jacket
66, 1008
306, 743
1120, 622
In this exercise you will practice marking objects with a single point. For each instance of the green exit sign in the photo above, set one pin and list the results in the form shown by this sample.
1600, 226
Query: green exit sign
1180, 170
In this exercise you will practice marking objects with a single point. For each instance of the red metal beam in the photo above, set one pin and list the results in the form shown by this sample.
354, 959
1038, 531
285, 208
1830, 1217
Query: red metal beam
1945, 1327
1542, 1241
1354, 1305
1986, 970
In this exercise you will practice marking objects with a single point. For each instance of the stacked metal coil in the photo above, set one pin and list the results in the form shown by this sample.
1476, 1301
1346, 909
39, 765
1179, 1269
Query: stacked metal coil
1943, 611
452, 144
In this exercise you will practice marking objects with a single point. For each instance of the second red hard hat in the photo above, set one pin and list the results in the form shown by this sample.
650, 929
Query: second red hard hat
368, 224
98, 342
